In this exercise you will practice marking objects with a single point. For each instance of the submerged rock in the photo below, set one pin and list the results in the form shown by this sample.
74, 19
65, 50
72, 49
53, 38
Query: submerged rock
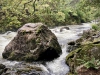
34, 41
64, 27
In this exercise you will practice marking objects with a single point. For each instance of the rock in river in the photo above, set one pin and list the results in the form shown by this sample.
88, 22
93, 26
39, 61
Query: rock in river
2, 69
34, 41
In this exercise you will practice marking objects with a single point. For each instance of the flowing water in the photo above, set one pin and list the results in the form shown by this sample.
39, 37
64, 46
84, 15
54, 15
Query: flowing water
55, 67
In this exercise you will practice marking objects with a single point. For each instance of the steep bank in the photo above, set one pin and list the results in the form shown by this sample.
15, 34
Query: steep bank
88, 50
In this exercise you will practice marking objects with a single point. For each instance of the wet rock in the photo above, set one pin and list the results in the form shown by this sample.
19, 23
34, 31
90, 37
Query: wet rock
3, 69
71, 43
2, 66
89, 36
34, 41
86, 37
64, 27
29, 71
25, 69
71, 48
96, 42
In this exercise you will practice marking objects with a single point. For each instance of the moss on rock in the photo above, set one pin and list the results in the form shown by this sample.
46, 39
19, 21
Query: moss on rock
33, 42
84, 52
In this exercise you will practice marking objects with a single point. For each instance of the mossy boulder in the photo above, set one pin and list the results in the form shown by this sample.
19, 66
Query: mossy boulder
34, 41
89, 36
85, 52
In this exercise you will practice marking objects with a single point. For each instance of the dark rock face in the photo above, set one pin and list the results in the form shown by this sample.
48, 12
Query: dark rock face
71, 43
34, 41
2, 66
2, 69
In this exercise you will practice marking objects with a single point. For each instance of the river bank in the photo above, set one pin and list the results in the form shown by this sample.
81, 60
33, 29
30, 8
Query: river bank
55, 67
85, 58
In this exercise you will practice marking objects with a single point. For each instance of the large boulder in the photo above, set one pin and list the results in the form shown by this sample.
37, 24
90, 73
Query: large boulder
34, 41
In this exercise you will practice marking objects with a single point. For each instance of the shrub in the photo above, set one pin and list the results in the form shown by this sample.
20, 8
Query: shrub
95, 27
93, 63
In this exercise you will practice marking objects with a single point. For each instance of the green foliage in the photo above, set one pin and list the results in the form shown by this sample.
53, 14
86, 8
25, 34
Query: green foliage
96, 27
15, 13
60, 16
95, 7
95, 3
84, 60
93, 63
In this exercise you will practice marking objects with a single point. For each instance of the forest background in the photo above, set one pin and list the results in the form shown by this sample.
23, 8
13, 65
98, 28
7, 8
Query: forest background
15, 13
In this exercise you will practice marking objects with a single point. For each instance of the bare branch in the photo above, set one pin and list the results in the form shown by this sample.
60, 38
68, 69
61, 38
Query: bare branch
27, 3
34, 6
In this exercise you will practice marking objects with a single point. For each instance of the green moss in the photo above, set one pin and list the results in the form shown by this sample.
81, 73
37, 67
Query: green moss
96, 27
84, 52
15, 56
71, 54
39, 29
29, 57
12, 56
33, 40
28, 69
54, 44
38, 40
23, 32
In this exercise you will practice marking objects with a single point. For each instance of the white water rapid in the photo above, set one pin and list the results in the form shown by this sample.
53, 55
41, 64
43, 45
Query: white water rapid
57, 66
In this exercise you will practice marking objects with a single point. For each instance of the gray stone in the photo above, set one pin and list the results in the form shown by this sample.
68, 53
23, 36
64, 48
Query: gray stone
34, 41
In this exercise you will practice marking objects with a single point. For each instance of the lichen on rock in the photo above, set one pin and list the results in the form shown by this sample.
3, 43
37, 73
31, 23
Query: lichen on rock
34, 41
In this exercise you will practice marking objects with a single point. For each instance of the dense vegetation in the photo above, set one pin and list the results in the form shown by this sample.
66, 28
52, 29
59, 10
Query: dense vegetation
85, 59
14, 13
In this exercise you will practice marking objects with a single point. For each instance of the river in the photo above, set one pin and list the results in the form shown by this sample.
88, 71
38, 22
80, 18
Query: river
55, 67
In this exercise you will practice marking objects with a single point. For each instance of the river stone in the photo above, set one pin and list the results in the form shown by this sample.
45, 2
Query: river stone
3, 69
34, 41
64, 27
71, 43
2, 66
